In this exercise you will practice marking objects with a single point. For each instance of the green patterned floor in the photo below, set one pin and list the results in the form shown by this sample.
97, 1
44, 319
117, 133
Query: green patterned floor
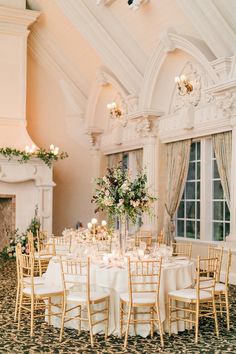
46, 338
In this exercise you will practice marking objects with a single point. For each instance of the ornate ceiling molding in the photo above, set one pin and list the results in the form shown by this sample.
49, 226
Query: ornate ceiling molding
170, 41
216, 32
123, 57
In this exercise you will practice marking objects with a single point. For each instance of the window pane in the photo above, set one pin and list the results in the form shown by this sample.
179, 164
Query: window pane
180, 228
198, 210
198, 170
227, 212
198, 229
227, 228
191, 171
198, 190
218, 229
180, 213
190, 229
190, 190
218, 210
218, 190
190, 210
192, 152
215, 170
198, 150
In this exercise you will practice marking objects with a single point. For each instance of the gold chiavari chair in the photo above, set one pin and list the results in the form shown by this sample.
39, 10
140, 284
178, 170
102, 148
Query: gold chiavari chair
34, 297
198, 302
222, 291
79, 295
62, 244
182, 249
37, 280
42, 255
143, 236
144, 285
216, 252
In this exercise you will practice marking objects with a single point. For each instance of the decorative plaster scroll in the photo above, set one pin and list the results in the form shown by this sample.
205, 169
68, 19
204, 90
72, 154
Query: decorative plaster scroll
226, 103
146, 127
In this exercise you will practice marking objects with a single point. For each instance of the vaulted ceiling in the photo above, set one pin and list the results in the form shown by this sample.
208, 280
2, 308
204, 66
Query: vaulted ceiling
77, 37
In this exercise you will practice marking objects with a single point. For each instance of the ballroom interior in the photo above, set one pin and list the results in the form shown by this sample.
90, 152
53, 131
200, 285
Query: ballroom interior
91, 85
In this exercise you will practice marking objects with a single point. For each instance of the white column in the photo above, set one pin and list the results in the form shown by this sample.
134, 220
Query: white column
150, 161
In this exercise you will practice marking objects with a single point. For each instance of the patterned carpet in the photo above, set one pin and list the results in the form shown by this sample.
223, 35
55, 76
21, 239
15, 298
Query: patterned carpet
46, 338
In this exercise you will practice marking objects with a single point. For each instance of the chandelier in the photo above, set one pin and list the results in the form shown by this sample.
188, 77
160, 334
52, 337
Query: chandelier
184, 86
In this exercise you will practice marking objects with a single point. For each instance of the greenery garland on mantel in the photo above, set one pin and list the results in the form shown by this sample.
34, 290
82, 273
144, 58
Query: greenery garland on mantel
48, 157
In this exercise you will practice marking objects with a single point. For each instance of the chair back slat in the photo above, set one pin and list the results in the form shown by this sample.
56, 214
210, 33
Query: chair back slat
76, 276
182, 249
216, 252
144, 276
206, 274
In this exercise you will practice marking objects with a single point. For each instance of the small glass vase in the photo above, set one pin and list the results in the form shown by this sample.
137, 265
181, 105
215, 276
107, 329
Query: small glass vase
123, 231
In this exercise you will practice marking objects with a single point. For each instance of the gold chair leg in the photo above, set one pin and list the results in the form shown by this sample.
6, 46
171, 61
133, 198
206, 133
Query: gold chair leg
127, 328
134, 317
49, 311
196, 321
90, 324
160, 326
32, 317
151, 322
121, 318
220, 301
215, 316
62, 317
227, 309
79, 320
169, 315
17, 301
107, 320
19, 310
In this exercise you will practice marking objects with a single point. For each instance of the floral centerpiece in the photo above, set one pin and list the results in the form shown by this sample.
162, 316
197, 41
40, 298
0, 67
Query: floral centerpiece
121, 196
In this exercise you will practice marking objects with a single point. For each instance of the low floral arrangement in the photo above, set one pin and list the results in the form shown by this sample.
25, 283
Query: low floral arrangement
48, 157
10, 250
119, 195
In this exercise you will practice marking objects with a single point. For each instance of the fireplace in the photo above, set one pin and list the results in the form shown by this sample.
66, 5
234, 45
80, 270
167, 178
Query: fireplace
7, 218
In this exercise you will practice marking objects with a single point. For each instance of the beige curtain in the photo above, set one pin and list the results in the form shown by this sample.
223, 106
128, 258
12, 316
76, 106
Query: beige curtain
114, 160
139, 159
222, 145
178, 154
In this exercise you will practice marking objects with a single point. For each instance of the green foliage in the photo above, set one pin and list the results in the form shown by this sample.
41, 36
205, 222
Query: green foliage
48, 157
16, 237
117, 194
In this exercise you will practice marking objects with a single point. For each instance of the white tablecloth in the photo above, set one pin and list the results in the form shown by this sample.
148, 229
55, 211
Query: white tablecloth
114, 281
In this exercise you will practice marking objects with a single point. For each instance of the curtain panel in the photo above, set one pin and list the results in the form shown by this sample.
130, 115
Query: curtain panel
178, 154
222, 145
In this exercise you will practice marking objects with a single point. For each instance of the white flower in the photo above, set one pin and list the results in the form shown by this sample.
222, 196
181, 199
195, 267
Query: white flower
23, 237
107, 193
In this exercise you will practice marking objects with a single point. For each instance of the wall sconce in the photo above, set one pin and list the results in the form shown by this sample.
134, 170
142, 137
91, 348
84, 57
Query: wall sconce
184, 86
115, 111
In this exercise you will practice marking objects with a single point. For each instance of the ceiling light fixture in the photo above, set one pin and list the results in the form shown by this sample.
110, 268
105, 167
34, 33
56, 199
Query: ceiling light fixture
184, 85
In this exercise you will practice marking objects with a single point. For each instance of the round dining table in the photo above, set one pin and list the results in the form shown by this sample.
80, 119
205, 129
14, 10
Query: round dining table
112, 278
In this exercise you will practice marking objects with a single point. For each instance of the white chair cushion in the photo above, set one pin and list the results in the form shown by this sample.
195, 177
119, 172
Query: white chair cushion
42, 256
190, 294
140, 298
43, 290
37, 280
81, 296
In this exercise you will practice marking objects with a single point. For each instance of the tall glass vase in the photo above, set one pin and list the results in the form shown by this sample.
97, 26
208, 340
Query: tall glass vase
123, 230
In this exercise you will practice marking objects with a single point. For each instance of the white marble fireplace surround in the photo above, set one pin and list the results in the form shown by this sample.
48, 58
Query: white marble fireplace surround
32, 185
